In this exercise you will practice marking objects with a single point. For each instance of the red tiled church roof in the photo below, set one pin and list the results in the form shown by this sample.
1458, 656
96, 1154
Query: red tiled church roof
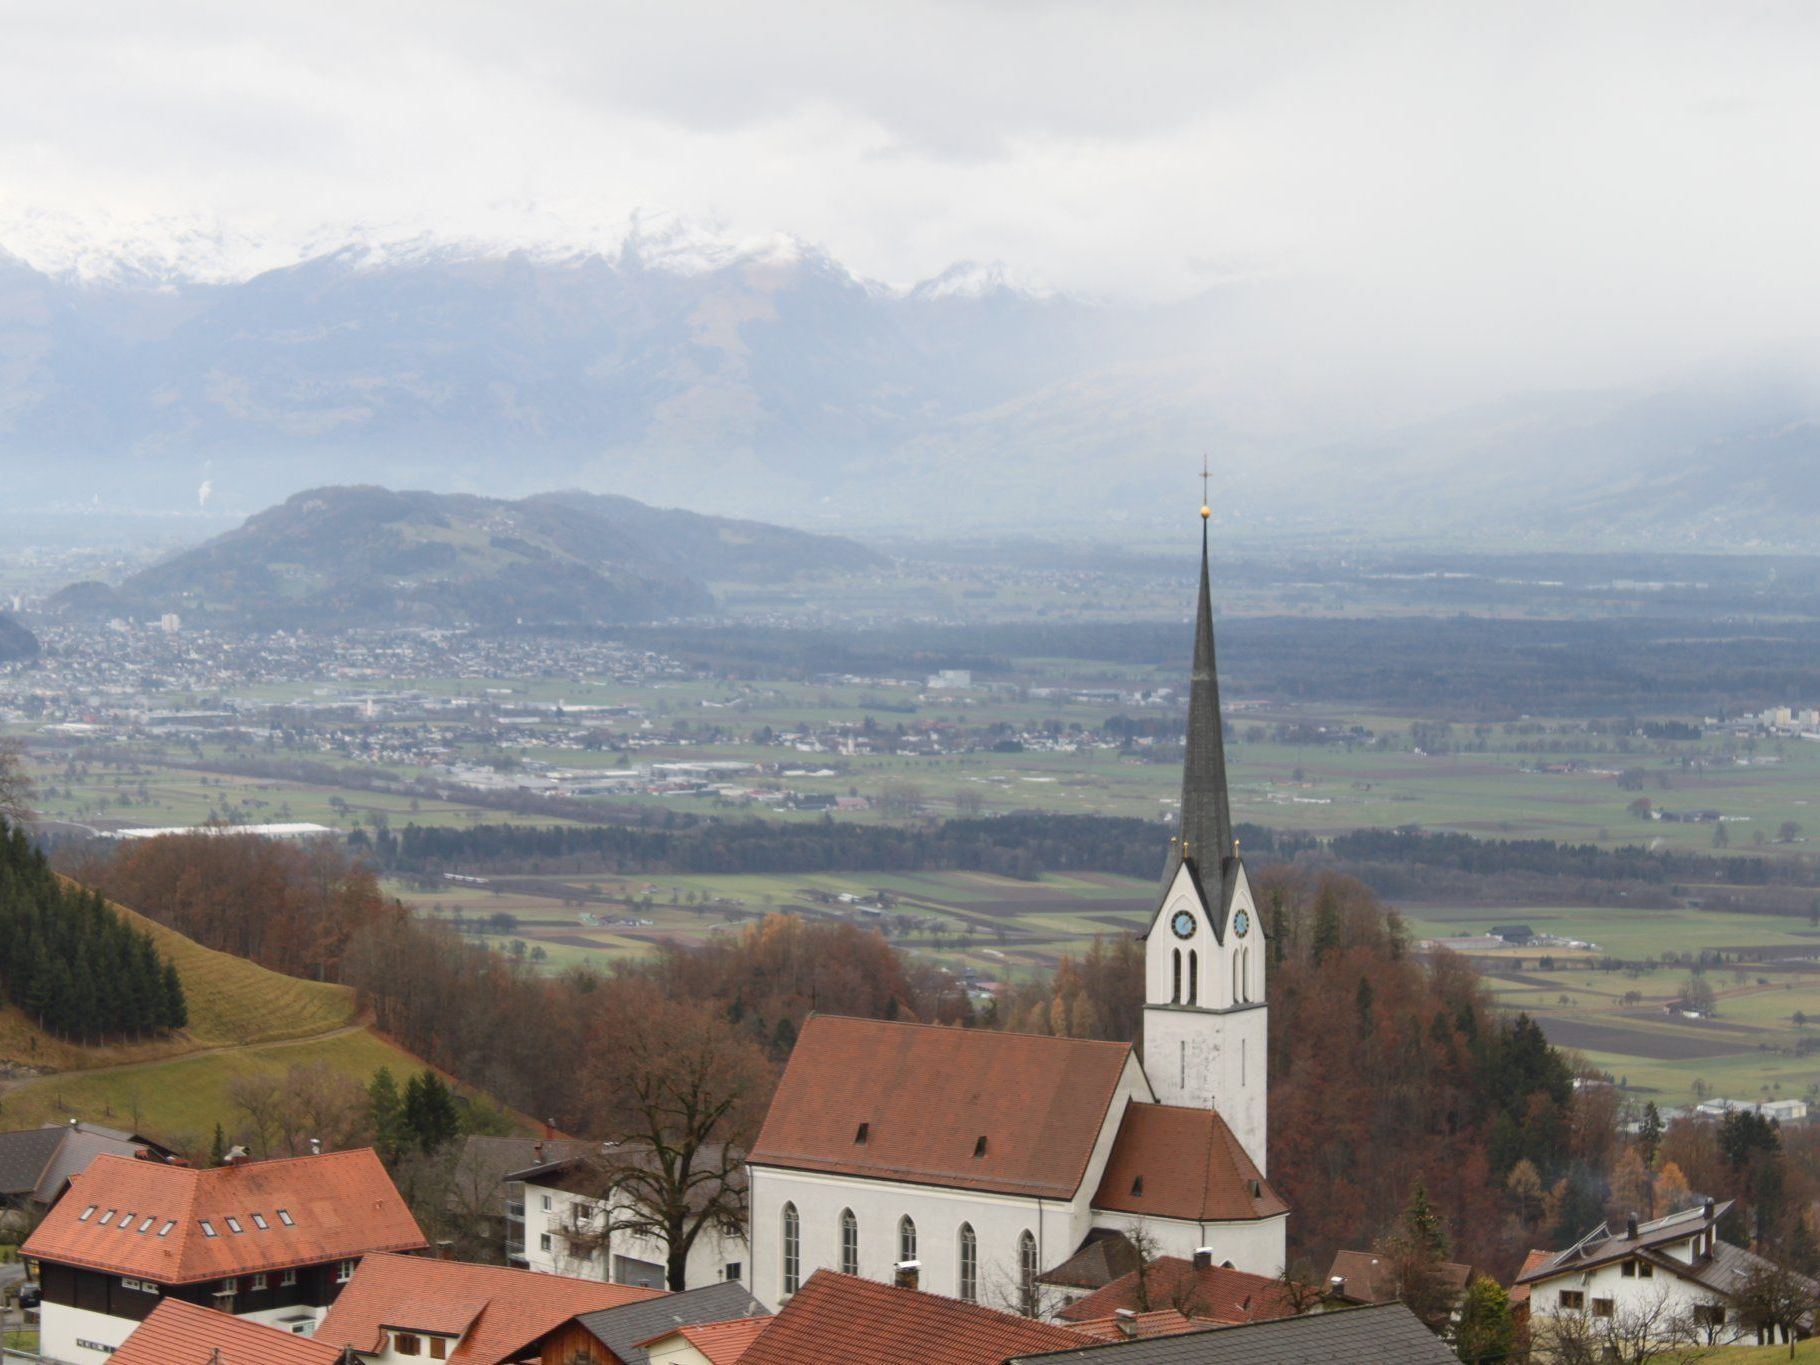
500, 1311
926, 1096
181, 1224
179, 1333
1217, 1292
838, 1320
1190, 1166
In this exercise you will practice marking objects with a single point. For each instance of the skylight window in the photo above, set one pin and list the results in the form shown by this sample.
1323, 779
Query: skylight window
108, 1217
126, 1221
86, 1214
208, 1228
234, 1225
146, 1226
284, 1216
259, 1222
165, 1231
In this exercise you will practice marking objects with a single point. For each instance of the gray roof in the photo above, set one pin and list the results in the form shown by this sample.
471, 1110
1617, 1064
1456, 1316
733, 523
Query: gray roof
23, 1157
1602, 1245
621, 1329
1383, 1334
494, 1159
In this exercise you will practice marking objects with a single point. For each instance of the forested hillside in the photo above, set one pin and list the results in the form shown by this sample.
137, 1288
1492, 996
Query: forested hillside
73, 966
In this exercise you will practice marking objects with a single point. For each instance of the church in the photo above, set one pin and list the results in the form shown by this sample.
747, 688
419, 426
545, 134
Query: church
992, 1167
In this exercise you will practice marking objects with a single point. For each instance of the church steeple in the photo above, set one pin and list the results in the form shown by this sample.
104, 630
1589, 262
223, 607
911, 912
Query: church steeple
1206, 824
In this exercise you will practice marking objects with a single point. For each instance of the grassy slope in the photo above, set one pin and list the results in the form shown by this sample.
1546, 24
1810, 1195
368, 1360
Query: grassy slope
244, 1020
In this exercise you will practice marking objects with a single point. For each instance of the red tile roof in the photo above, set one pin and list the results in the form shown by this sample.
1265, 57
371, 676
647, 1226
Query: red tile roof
1519, 1290
179, 1333
839, 1320
927, 1095
1161, 1322
147, 1219
1217, 1292
723, 1343
499, 1312
1190, 1166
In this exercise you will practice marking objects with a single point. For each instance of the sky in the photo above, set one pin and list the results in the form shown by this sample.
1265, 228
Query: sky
1530, 189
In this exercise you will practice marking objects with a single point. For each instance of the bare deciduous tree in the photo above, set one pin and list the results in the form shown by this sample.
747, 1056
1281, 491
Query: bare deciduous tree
15, 783
1773, 1301
1648, 1330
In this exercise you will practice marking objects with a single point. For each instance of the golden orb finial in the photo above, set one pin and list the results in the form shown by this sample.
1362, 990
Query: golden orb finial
1206, 511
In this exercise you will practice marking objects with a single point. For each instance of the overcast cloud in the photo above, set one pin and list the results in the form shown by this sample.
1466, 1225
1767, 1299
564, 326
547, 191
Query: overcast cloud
1552, 193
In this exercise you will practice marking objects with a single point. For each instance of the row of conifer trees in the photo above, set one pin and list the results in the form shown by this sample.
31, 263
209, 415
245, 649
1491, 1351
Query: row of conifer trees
73, 965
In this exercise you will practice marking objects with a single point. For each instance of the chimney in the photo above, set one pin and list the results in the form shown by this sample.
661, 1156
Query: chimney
537, 1153
909, 1274
445, 1250
1126, 1321
1203, 1258
1630, 1227
1337, 1286
1709, 1210
315, 1146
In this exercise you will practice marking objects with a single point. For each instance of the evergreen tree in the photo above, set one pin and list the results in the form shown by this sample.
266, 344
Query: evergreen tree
1650, 1138
430, 1113
392, 1133
1487, 1330
218, 1148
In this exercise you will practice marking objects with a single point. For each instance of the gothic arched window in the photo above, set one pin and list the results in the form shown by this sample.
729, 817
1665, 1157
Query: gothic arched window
1026, 1273
1194, 976
1238, 975
849, 1243
793, 1249
906, 1239
1175, 991
970, 1264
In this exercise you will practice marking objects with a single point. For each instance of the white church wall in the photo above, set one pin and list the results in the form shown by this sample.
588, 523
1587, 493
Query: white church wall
1258, 1246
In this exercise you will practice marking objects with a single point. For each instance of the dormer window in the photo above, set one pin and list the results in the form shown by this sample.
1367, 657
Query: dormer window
979, 1145
864, 1131
1137, 1187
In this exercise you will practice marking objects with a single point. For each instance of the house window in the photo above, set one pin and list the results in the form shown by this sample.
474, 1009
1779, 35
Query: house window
970, 1264
287, 1278
259, 1282
1572, 1301
1026, 1266
793, 1249
344, 1271
906, 1238
1646, 1270
543, 1242
1602, 1308
230, 1286
439, 1348
1630, 1270
547, 1204
734, 1270
849, 1243
407, 1343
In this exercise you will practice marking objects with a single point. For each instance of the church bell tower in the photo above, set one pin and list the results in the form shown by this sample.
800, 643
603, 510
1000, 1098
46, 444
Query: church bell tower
1206, 1023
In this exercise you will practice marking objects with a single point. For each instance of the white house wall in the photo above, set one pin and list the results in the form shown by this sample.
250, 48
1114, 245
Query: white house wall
61, 1328
1632, 1295
1258, 1246
709, 1257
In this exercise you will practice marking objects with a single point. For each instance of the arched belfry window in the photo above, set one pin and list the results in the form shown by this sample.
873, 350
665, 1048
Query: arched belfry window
1175, 991
793, 1249
1194, 976
849, 1243
1238, 975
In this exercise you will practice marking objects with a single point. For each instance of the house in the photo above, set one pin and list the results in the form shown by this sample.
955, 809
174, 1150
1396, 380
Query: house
36, 1164
710, 1343
1196, 1288
839, 1319
274, 1241
618, 1336
1675, 1270
484, 1189
986, 1161
1386, 1334
179, 1333
1361, 1277
570, 1206
404, 1310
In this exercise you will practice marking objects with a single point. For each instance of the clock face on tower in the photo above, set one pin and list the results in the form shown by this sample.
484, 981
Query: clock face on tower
1183, 924
1240, 923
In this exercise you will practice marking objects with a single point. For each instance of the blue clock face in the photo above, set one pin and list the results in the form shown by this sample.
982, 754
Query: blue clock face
1183, 924
1241, 922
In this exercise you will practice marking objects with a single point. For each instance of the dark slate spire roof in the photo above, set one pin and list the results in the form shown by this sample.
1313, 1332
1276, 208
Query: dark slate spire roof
1206, 823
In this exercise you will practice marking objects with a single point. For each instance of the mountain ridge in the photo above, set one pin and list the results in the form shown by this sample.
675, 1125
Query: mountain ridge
364, 555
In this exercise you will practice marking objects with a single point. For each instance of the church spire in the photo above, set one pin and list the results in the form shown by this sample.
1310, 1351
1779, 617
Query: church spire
1205, 832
